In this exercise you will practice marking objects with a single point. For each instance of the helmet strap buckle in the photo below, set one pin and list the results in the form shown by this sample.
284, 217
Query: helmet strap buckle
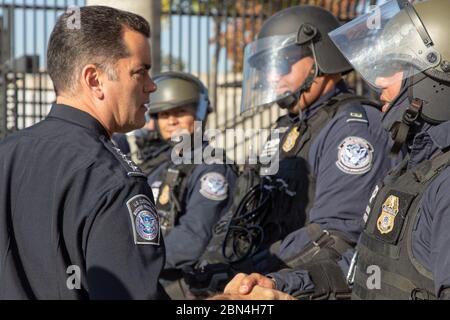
412, 113
400, 129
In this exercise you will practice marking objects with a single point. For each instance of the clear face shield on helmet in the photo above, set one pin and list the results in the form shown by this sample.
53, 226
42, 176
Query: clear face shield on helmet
266, 62
388, 43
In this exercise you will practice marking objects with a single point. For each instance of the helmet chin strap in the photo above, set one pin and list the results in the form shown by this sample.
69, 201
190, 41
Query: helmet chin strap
289, 99
400, 130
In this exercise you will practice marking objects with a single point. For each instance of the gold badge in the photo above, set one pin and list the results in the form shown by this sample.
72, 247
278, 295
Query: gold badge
291, 139
389, 211
164, 196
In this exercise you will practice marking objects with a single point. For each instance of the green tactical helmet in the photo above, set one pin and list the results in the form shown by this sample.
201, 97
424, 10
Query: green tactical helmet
176, 89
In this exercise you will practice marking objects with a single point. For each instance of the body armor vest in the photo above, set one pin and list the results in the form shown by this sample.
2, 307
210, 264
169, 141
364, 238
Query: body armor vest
286, 197
171, 197
152, 151
386, 241
268, 208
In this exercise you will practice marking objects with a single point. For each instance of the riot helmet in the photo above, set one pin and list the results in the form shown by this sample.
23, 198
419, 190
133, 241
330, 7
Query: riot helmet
176, 89
409, 40
284, 39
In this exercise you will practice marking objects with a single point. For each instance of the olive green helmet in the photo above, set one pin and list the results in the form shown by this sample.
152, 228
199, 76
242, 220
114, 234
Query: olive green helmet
176, 89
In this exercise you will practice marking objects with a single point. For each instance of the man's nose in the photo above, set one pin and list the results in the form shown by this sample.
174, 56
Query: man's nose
150, 86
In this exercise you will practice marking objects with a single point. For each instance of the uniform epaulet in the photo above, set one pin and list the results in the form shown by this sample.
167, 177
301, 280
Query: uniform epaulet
131, 168
352, 105
356, 113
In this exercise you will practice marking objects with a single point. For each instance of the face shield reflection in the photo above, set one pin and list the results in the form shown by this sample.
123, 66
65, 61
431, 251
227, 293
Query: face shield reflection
266, 61
384, 43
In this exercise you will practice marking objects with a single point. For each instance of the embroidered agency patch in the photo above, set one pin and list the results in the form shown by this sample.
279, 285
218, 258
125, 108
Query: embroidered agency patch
144, 219
355, 155
214, 186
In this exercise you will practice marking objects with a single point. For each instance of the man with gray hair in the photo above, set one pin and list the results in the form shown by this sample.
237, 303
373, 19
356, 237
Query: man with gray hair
78, 219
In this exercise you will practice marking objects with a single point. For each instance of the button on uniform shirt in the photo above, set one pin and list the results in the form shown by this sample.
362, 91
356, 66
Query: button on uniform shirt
77, 218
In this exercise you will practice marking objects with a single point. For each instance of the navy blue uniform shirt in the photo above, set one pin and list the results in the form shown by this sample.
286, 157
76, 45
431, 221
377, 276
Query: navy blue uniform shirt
431, 236
186, 242
77, 217
347, 158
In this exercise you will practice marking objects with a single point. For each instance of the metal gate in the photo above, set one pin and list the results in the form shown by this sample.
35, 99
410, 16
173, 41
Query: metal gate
204, 37
26, 92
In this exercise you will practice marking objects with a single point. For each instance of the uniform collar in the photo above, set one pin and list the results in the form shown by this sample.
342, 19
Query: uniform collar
440, 135
339, 88
77, 117
429, 142
293, 118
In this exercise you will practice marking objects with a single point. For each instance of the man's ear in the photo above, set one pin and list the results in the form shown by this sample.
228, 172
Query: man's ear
90, 80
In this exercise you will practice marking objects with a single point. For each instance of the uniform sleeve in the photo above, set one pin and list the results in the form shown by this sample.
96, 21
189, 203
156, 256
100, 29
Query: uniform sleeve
209, 195
292, 281
347, 160
431, 238
124, 248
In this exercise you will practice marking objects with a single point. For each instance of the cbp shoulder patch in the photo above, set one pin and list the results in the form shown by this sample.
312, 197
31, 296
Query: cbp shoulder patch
144, 219
214, 186
355, 155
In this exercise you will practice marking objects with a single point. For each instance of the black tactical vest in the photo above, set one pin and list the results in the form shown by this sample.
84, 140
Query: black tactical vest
171, 197
386, 242
285, 197
153, 151
172, 191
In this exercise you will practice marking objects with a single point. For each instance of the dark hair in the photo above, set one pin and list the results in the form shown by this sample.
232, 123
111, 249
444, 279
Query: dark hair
96, 38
